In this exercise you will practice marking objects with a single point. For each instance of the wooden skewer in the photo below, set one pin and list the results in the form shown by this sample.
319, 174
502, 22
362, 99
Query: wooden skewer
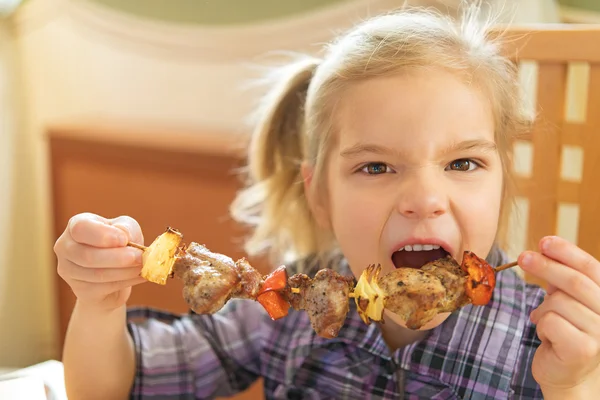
137, 246
506, 266
497, 269
297, 290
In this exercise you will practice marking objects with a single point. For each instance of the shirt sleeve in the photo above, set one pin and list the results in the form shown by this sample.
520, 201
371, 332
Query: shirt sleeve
197, 356
524, 385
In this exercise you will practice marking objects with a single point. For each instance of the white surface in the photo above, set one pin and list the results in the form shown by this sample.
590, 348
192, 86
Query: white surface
29, 383
29, 388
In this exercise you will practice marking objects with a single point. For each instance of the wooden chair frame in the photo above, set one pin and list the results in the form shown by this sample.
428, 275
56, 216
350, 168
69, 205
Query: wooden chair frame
554, 48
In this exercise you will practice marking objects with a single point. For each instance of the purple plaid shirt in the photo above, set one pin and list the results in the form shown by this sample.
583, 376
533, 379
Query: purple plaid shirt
477, 353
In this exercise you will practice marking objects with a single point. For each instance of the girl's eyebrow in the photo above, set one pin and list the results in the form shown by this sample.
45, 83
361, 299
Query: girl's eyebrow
372, 148
474, 144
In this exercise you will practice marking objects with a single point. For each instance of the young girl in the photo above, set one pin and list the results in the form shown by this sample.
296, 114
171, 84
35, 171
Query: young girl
393, 149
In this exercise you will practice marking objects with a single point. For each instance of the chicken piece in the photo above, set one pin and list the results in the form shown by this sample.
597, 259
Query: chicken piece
211, 279
324, 298
250, 280
418, 295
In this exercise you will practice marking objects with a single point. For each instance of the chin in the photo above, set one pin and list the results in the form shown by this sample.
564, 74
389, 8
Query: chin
435, 322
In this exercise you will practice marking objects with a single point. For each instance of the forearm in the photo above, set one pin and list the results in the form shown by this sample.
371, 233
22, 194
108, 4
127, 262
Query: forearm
98, 355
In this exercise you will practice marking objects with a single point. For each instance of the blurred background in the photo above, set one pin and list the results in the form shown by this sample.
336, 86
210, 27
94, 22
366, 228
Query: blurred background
140, 107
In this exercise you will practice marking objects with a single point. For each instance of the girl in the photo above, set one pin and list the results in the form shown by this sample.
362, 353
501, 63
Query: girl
393, 149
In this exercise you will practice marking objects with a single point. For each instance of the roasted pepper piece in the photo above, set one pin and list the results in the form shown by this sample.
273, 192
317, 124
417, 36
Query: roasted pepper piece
274, 303
481, 279
276, 280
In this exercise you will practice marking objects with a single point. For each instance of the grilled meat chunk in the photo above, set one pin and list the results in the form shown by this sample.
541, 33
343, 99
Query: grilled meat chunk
418, 295
211, 279
324, 298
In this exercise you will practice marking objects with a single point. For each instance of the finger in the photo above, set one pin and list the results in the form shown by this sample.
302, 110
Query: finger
94, 230
571, 255
95, 257
103, 275
130, 226
569, 344
571, 310
100, 290
569, 280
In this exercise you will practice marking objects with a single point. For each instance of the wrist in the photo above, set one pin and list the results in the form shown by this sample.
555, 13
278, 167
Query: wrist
95, 309
94, 317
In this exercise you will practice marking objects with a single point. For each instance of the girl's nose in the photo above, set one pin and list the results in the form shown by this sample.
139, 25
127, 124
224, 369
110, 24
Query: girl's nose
422, 196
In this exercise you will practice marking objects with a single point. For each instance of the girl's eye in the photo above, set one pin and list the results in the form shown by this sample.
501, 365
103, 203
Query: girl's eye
375, 168
463, 164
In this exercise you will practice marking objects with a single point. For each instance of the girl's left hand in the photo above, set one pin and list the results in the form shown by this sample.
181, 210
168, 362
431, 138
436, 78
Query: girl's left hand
568, 320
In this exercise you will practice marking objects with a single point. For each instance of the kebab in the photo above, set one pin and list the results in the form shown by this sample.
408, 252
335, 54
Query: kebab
416, 295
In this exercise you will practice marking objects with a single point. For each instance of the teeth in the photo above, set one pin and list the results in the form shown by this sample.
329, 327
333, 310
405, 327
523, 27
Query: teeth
420, 247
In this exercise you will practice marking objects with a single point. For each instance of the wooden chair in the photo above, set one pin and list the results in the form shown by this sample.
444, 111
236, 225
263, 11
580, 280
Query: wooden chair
558, 164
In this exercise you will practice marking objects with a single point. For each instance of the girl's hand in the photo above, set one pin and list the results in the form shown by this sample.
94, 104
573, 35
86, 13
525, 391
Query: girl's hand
568, 320
94, 260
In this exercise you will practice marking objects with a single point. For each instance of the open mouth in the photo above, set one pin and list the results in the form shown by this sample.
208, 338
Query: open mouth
417, 255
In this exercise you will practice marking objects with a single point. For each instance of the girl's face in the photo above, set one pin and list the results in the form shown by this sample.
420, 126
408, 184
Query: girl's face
414, 164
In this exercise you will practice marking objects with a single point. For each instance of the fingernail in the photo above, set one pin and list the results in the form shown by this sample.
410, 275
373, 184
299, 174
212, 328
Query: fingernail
526, 260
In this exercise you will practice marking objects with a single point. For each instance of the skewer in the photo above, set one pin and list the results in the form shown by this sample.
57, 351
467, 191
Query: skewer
506, 266
297, 290
137, 246
497, 269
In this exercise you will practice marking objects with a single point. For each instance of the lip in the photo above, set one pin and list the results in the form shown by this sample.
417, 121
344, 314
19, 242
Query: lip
443, 244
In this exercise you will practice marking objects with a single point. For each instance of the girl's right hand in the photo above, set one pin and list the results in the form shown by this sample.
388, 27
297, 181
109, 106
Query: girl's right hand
95, 261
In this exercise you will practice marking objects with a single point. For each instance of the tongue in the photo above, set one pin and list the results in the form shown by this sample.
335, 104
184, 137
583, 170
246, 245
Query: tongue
416, 259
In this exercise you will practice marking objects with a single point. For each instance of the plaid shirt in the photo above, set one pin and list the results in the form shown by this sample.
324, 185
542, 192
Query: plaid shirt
477, 353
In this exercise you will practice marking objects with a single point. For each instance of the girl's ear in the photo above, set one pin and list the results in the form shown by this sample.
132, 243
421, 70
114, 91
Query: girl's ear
316, 199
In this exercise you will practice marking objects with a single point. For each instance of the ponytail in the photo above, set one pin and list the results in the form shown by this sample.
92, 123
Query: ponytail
273, 202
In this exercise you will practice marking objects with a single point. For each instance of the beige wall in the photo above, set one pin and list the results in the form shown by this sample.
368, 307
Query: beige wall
80, 60
26, 316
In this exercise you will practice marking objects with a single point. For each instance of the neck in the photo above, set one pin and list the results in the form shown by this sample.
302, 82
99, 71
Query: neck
396, 335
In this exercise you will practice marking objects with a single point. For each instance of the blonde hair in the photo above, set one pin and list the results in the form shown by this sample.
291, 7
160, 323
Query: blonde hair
295, 119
